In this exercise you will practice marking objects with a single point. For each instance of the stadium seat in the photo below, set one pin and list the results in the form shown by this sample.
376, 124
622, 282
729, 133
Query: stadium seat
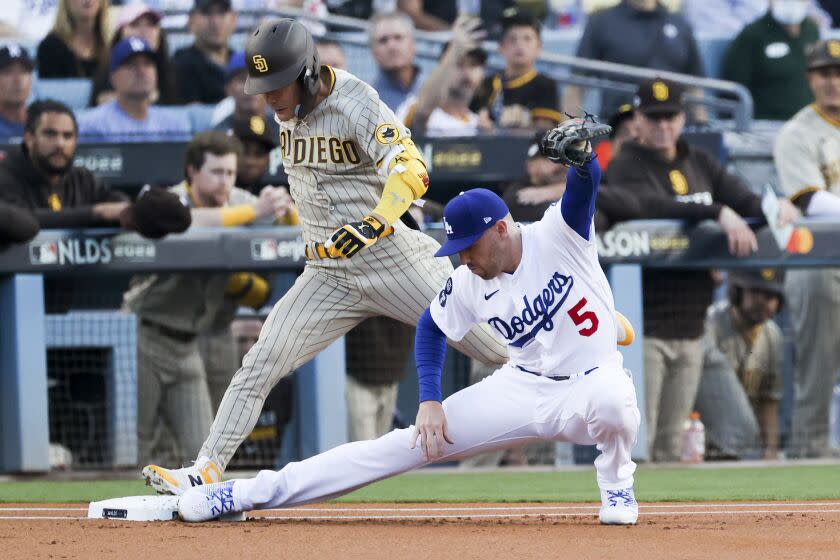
74, 92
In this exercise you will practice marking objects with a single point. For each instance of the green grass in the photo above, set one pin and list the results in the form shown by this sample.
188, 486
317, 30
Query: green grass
677, 484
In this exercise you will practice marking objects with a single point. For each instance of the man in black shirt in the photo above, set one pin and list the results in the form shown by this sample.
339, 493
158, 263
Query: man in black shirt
40, 175
201, 67
639, 33
679, 181
519, 96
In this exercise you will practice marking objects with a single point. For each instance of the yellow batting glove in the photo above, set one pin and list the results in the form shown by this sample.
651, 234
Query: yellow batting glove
349, 239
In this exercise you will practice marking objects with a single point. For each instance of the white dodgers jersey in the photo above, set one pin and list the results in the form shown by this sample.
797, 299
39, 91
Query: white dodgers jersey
555, 312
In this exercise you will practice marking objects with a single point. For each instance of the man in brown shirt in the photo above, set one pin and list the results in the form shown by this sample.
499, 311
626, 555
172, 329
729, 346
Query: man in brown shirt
683, 182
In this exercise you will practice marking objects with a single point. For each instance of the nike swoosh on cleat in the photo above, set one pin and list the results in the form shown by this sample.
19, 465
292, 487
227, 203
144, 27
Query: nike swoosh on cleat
491, 294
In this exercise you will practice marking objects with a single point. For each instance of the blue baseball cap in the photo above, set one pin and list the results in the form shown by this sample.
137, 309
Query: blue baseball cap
128, 48
235, 65
467, 216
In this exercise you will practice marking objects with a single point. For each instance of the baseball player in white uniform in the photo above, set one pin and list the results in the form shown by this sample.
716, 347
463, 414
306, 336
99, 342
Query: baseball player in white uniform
541, 291
346, 156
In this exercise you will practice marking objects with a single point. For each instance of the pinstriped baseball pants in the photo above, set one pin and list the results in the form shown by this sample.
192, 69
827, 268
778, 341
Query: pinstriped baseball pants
397, 278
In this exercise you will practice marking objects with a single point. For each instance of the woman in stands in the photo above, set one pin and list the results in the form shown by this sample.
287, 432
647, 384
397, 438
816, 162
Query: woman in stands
139, 20
77, 46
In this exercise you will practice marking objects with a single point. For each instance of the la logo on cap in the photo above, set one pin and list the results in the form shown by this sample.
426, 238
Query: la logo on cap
14, 50
447, 227
660, 91
834, 49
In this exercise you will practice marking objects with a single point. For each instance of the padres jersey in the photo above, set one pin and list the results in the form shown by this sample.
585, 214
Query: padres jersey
807, 153
555, 312
333, 155
532, 90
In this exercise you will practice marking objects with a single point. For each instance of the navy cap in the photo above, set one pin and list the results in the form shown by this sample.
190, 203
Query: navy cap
235, 65
127, 48
15, 53
467, 216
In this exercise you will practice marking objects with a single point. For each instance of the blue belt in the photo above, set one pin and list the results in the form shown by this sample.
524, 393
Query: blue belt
554, 377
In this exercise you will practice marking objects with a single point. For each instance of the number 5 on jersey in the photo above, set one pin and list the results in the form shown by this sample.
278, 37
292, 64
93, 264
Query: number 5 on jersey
579, 317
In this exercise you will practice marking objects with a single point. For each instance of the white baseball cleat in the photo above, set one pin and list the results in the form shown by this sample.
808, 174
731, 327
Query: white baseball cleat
208, 502
618, 507
178, 481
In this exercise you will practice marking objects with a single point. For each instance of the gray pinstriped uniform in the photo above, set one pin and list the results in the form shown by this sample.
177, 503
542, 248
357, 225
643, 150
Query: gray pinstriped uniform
330, 158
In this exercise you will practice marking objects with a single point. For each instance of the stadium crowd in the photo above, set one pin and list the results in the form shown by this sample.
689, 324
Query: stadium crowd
722, 356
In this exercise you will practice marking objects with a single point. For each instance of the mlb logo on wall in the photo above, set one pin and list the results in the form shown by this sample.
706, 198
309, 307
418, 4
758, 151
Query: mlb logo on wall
264, 249
43, 253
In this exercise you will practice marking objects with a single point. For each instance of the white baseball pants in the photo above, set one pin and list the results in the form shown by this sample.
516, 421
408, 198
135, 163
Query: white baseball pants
508, 408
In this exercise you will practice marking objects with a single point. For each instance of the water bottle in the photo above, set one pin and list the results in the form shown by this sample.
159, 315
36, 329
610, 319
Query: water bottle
693, 439
834, 419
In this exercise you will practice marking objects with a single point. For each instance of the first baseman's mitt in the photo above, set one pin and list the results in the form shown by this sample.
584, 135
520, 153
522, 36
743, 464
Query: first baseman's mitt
570, 142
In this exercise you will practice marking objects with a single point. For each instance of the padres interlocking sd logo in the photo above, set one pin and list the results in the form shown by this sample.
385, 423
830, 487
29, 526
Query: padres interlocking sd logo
387, 133
660, 91
260, 63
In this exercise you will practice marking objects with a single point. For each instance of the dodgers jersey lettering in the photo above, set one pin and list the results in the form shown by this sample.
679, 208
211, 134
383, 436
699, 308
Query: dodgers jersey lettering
555, 312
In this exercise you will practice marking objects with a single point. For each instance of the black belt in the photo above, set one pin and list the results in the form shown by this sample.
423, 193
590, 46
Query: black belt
180, 336
554, 377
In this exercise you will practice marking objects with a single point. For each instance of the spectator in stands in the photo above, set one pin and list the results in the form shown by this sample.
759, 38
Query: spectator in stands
41, 177
519, 96
768, 57
807, 156
174, 309
442, 107
722, 18
440, 15
15, 88
131, 117
77, 46
331, 54
257, 141
17, 225
624, 128
201, 67
238, 105
393, 47
639, 33
139, 20
683, 182
741, 385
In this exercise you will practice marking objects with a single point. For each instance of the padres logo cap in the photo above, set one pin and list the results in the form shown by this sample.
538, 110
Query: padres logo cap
659, 96
467, 216
824, 53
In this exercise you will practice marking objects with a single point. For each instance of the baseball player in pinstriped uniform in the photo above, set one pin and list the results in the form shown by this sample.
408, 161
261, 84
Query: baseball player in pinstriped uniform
348, 159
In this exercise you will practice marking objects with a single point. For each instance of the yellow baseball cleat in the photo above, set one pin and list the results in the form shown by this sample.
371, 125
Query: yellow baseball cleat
178, 481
